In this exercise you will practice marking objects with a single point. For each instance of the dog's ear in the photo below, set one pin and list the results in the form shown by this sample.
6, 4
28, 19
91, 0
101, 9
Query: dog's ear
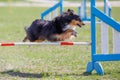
70, 12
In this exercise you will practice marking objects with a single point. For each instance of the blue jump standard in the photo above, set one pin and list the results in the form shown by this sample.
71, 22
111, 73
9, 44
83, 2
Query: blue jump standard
96, 58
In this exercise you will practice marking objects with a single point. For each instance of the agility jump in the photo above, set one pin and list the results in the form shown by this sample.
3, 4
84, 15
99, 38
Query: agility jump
95, 57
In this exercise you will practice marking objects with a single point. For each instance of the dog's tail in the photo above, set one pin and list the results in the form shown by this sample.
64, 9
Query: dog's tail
26, 38
26, 28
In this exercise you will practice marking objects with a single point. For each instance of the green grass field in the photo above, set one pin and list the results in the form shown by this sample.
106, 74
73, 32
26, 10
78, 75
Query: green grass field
46, 62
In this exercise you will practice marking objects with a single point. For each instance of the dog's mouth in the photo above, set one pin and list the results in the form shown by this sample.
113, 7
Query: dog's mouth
80, 25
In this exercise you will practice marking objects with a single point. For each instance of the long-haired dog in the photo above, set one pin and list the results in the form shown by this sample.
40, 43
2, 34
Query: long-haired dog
59, 29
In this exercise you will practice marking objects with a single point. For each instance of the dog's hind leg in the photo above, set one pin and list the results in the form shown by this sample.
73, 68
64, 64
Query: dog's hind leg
40, 39
25, 39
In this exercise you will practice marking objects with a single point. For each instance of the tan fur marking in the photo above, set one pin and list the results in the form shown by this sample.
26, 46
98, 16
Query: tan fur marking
25, 39
75, 22
39, 40
66, 35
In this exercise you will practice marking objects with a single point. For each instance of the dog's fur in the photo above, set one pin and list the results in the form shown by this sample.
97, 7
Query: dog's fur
59, 29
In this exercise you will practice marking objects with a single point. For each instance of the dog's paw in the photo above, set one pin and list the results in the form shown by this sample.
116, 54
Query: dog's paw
75, 33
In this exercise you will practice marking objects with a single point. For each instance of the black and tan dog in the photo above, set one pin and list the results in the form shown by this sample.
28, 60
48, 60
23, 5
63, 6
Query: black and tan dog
59, 29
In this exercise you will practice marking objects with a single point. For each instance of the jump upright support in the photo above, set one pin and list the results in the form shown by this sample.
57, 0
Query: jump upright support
82, 11
47, 13
95, 57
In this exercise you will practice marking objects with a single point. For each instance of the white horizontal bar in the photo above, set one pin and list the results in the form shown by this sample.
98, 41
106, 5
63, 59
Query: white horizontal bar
42, 43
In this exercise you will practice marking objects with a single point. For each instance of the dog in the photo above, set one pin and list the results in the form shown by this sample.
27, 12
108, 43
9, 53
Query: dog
59, 29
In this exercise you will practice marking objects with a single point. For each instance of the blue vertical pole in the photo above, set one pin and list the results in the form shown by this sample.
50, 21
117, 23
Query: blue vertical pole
105, 6
79, 11
93, 30
95, 65
61, 6
90, 65
85, 9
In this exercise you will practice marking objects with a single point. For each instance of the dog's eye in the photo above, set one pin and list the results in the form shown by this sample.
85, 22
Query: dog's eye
78, 19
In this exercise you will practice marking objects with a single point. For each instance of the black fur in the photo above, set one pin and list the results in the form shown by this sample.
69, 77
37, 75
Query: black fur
43, 29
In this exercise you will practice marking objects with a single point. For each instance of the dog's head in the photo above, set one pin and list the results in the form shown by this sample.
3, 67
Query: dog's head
71, 20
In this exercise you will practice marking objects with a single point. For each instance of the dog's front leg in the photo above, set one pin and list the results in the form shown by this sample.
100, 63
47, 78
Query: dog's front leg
65, 35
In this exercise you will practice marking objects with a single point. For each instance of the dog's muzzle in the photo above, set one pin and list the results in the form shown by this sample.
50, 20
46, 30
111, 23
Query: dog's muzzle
80, 25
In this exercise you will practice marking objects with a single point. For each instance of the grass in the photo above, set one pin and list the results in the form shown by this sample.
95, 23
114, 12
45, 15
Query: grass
10, 0
45, 62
